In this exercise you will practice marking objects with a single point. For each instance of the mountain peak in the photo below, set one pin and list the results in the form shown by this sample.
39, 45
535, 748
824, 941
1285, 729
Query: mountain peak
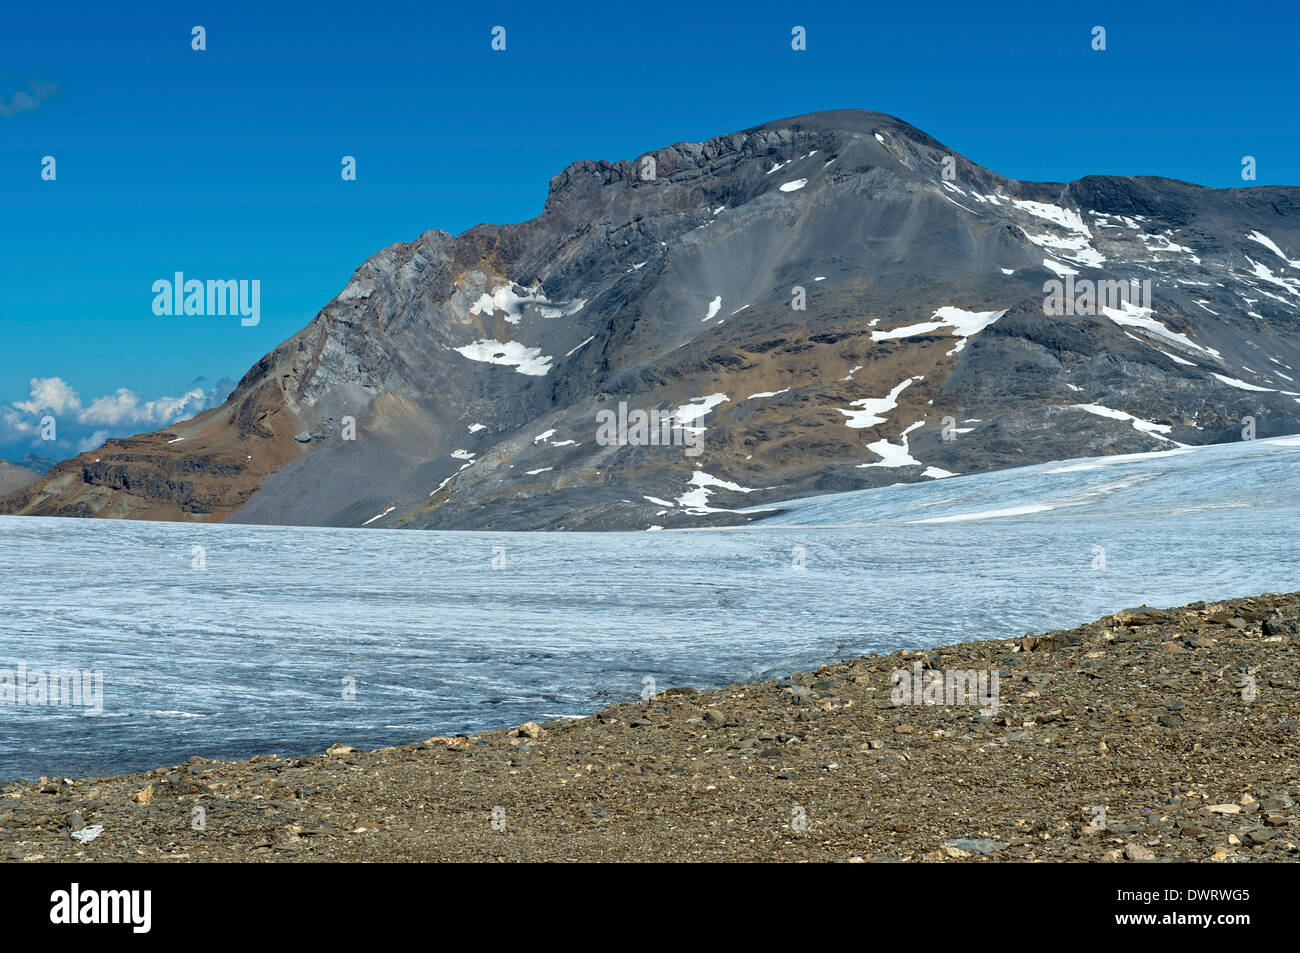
825, 302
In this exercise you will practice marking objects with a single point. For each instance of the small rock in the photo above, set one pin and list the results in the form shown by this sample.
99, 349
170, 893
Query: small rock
1281, 627
1138, 852
529, 729
87, 834
145, 796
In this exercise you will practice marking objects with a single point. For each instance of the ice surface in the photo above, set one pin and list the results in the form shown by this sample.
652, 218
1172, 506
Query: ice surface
251, 649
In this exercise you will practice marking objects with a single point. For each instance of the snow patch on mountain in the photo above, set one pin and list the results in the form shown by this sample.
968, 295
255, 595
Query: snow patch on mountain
893, 455
1261, 238
1056, 266
873, 406
525, 360
379, 515
696, 500
697, 409
1145, 426
964, 325
512, 303
573, 351
1239, 384
1130, 315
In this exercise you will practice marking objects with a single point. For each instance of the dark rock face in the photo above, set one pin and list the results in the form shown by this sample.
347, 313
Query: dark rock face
828, 302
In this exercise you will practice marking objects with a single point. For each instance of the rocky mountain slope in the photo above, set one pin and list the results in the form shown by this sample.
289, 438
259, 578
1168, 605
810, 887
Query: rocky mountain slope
828, 302
13, 477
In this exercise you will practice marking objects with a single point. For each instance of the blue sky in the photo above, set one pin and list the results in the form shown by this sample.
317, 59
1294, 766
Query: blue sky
225, 163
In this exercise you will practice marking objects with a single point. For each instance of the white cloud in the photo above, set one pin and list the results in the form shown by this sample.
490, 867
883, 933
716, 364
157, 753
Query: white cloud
14, 425
50, 395
93, 441
124, 407
23, 100
86, 426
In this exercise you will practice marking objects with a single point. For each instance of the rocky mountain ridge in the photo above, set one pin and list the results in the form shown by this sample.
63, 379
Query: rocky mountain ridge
828, 302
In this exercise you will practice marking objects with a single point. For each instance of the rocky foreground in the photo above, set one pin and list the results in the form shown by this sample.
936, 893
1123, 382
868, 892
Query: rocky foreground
1165, 735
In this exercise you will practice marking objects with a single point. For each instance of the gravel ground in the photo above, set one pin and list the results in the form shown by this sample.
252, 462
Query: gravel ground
1166, 735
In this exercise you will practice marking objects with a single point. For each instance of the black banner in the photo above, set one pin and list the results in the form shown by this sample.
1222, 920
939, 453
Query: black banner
144, 903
